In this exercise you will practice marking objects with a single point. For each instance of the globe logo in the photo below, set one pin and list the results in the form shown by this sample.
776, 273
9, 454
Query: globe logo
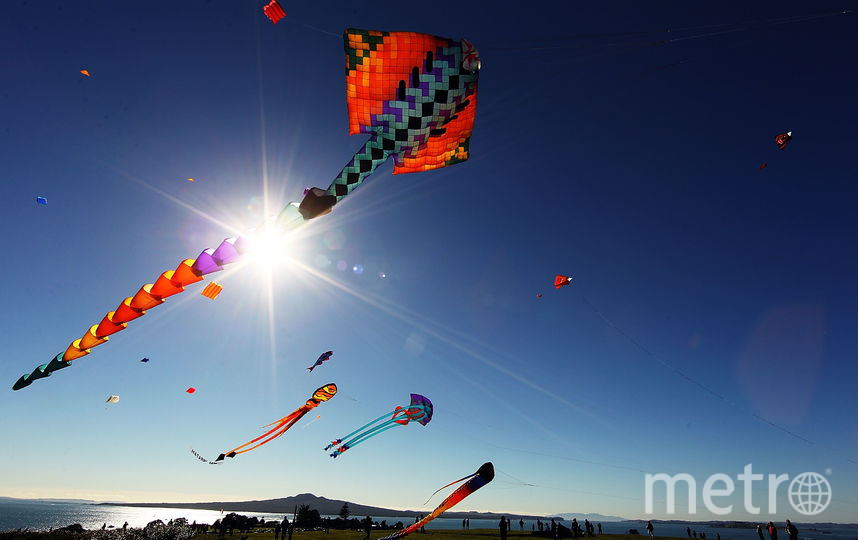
809, 493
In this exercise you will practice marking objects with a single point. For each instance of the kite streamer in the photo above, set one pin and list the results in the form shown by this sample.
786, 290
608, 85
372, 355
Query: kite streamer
323, 393
483, 476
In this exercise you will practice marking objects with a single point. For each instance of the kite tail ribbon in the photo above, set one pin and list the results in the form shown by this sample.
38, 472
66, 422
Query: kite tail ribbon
282, 425
318, 202
149, 296
323, 393
483, 476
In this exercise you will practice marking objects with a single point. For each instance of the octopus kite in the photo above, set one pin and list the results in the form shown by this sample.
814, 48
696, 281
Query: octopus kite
420, 411
414, 94
475, 481
321, 394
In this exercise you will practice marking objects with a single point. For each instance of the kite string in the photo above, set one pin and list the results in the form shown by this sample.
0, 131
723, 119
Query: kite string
687, 377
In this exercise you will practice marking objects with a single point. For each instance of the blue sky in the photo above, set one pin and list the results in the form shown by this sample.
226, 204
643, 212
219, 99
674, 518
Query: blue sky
604, 147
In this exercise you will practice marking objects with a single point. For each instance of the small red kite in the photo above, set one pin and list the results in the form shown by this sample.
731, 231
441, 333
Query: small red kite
191, 390
764, 165
782, 139
560, 281
274, 11
212, 290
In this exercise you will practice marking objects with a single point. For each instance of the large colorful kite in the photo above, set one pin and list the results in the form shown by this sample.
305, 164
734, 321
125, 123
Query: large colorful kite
475, 481
420, 410
323, 393
415, 94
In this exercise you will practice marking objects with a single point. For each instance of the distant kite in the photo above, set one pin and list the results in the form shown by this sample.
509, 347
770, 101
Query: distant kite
420, 410
190, 179
41, 200
561, 281
113, 399
483, 476
539, 295
191, 390
144, 360
85, 72
274, 11
212, 290
782, 139
323, 393
764, 165
325, 356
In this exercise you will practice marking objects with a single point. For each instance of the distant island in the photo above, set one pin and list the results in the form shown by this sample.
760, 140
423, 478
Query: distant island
325, 506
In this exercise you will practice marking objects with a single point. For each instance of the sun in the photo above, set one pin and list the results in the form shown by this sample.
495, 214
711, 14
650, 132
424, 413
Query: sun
268, 246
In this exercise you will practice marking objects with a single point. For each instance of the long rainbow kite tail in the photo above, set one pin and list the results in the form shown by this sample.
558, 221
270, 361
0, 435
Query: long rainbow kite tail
483, 476
152, 295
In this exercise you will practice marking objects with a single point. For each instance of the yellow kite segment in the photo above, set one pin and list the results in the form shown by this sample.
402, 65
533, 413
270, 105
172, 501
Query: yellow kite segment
90, 340
148, 296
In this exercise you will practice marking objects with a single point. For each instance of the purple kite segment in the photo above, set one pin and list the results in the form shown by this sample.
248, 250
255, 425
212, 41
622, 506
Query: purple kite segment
226, 252
423, 401
241, 244
205, 263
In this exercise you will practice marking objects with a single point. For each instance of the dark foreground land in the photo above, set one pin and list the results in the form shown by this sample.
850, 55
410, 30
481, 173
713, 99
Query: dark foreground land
268, 534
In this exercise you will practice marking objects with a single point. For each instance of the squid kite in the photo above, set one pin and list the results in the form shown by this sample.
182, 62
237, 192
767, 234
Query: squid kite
414, 94
324, 356
475, 481
420, 410
782, 139
323, 393
561, 281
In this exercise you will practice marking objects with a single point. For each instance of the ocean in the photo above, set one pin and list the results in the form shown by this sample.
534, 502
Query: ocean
44, 515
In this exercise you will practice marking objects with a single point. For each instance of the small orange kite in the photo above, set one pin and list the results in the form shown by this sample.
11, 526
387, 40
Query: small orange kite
85, 72
212, 290
274, 11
